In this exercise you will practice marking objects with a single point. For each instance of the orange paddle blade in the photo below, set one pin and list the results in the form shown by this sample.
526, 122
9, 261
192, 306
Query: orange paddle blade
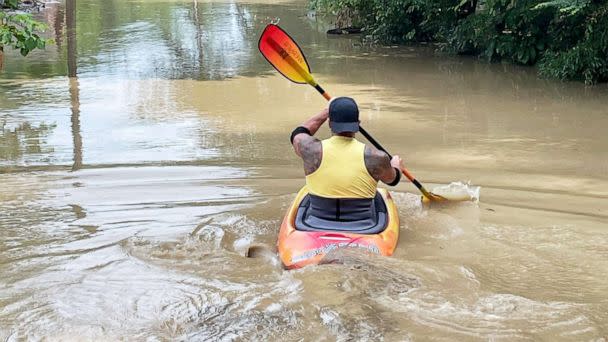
285, 55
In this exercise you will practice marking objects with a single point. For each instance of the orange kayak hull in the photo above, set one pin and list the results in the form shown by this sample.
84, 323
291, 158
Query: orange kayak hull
299, 248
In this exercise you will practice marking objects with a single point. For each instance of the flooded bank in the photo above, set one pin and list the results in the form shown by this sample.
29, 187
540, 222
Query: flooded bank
132, 191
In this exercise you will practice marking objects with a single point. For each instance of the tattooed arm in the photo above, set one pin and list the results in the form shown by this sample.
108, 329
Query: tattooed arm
380, 166
308, 147
311, 151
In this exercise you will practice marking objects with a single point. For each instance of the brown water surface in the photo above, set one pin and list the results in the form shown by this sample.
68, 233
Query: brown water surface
131, 193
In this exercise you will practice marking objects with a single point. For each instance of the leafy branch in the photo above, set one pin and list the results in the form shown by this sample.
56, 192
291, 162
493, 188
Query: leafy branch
20, 31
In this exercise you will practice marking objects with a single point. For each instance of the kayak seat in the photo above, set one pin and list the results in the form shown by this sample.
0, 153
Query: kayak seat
360, 216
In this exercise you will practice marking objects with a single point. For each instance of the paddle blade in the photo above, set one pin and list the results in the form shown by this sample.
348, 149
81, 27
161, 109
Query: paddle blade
284, 54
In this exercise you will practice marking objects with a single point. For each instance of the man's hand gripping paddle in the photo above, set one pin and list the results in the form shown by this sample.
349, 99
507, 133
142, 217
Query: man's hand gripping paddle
282, 52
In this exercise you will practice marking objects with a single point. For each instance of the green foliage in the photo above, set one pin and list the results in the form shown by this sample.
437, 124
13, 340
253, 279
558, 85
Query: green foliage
391, 21
584, 59
11, 4
565, 6
567, 38
20, 31
503, 31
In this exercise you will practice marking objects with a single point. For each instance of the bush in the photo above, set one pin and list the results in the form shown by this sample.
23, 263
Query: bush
584, 58
503, 31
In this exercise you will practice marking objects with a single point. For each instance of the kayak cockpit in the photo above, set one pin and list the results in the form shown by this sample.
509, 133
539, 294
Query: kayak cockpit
359, 216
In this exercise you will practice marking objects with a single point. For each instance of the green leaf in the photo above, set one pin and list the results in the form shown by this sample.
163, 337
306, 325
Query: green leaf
410, 35
30, 44
7, 38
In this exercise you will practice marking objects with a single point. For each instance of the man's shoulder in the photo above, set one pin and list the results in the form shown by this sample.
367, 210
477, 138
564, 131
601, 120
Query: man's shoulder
373, 153
310, 150
306, 142
376, 161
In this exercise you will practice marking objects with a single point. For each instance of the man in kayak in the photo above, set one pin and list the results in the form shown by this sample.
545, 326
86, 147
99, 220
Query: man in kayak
342, 173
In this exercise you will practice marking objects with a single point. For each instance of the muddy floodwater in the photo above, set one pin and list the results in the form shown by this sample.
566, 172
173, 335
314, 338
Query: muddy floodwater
131, 192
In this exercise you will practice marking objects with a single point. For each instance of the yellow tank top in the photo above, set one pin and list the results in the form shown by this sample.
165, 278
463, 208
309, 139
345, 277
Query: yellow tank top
342, 173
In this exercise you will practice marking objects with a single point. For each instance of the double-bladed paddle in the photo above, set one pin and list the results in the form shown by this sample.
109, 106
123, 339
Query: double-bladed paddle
284, 54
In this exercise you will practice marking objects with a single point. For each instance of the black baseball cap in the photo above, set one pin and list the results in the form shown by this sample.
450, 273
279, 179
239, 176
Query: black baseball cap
343, 115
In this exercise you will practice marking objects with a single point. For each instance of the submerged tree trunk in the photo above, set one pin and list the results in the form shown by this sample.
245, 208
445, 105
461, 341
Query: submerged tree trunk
70, 21
75, 119
59, 25
199, 37
70, 18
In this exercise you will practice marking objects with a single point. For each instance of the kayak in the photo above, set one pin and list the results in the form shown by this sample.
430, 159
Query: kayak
303, 242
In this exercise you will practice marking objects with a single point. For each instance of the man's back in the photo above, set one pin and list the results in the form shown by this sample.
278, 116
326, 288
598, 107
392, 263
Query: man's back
342, 172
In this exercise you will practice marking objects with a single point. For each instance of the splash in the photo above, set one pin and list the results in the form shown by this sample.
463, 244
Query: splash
458, 191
